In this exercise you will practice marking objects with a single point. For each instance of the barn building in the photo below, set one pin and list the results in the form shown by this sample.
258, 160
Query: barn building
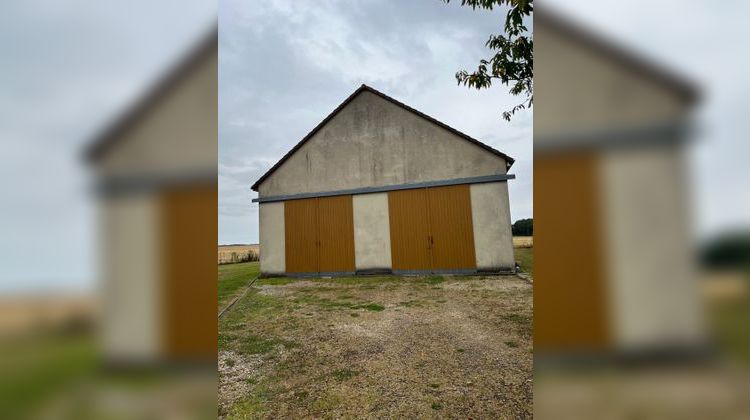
379, 187
612, 246
155, 176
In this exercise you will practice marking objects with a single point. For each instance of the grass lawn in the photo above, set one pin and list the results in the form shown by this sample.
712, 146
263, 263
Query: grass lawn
525, 258
378, 347
37, 367
56, 374
730, 321
233, 277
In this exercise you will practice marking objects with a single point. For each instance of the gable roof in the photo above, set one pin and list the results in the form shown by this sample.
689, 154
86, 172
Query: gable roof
364, 88
635, 63
113, 133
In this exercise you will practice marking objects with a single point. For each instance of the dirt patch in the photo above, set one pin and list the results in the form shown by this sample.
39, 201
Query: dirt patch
415, 347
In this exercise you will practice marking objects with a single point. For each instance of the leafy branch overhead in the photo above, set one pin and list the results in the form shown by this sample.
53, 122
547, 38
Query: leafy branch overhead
513, 60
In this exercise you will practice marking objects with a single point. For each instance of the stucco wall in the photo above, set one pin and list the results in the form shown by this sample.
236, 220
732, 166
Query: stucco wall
177, 134
372, 241
372, 142
644, 203
580, 90
493, 238
272, 239
131, 290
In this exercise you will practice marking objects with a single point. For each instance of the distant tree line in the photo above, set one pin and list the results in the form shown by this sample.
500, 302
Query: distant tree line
523, 227
727, 251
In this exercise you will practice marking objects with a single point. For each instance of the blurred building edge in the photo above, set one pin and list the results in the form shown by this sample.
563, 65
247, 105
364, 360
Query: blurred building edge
156, 184
614, 263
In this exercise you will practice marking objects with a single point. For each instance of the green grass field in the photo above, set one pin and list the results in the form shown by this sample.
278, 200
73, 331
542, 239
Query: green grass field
233, 277
59, 374
729, 321
38, 367
525, 258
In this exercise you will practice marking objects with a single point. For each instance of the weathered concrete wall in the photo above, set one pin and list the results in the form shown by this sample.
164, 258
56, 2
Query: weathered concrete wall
493, 238
644, 200
372, 240
132, 273
176, 135
272, 239
598, 94
372, 142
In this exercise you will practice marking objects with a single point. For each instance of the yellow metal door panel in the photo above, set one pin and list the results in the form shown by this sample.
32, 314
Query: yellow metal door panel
570, 305
336, 234
410, 246
301, 235
451, 228
188, 289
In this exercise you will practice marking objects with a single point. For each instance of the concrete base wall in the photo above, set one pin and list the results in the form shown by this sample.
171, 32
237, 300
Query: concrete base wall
272, 238
493, 238
372, 238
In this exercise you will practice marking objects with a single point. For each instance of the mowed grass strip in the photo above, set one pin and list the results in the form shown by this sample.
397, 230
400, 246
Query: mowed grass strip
729, 321
233, 277
38, 367
525, 258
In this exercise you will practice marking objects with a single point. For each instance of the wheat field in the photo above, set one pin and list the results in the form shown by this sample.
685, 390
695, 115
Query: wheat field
238, 253
523, 242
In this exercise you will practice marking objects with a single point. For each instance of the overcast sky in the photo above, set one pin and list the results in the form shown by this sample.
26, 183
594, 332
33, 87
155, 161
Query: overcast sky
284, 66
70, 68
67, 69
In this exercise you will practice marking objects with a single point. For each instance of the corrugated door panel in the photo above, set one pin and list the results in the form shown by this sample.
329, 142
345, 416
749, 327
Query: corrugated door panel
451, 228
301, 234
569, 274
336, 234
409, 229
188, 293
